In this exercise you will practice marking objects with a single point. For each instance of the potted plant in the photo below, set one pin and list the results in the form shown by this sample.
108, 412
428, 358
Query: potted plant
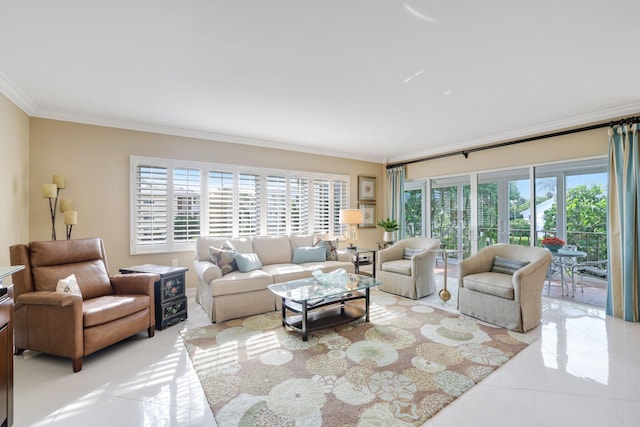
390, 226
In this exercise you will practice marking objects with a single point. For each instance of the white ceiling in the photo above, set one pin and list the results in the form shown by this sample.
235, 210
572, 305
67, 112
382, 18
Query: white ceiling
378, 80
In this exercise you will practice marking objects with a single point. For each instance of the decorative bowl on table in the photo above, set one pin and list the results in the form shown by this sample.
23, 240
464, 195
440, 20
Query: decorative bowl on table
553, 243
553, 247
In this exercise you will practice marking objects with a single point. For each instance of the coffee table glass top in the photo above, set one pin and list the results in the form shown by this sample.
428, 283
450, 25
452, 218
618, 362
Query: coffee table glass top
311, 288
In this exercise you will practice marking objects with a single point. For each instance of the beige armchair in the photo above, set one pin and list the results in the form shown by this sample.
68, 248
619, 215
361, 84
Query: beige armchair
513, 301
110, 309
408, 276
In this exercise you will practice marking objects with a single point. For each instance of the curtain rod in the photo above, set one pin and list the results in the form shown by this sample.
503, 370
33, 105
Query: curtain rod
466, 152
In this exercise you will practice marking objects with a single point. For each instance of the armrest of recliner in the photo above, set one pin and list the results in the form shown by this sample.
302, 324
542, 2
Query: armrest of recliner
55, 299
134, 283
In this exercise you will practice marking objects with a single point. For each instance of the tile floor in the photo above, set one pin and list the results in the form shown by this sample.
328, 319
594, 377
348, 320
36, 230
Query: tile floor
582, 370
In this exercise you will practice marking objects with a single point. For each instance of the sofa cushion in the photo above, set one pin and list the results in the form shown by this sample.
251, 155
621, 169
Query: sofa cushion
97, 311
309, 254
238, 282
272, 249
331, 247
507, 266
248, 262
287, 271
300, 240
498, 284
400, 266
409, 252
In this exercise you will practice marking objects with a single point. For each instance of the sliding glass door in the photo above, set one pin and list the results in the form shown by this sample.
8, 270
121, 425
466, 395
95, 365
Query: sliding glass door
450, 213
503, 208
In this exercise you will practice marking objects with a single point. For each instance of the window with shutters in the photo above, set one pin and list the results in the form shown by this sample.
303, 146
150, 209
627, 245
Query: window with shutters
173, 202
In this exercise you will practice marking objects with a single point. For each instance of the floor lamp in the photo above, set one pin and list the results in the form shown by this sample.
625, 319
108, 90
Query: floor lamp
351, 217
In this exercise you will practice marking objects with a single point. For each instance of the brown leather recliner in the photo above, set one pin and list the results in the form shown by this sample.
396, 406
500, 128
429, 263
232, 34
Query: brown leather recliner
67, 325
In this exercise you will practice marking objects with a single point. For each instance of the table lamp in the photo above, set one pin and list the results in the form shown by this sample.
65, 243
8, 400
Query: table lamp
351, 217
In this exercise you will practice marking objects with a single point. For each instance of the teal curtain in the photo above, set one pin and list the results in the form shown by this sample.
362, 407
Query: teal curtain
395, 198
622, 223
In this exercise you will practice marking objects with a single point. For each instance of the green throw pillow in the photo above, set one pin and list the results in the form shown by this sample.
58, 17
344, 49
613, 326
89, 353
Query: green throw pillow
507, 266
248, 262
309, 254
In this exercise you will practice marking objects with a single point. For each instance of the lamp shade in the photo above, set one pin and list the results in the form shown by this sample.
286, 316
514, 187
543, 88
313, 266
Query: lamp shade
351, 216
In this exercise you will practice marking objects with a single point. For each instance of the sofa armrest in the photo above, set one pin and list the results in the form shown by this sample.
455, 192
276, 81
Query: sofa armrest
344, 255
207, 271
134, 283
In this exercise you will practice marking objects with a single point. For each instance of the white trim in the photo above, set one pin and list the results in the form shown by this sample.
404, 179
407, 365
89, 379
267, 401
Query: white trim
553, 126
15, 95
199, 134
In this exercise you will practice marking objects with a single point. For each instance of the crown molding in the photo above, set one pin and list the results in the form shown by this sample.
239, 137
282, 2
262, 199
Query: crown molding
580, 120
16, 96
189, 133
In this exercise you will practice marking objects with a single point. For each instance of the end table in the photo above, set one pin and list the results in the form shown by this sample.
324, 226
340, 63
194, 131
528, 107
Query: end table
169, 292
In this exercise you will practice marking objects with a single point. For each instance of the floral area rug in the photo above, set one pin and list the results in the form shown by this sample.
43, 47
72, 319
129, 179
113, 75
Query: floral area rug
401, 368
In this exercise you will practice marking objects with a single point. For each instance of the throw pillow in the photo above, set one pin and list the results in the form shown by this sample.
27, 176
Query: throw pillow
409, 252
69, 285
507, 266
309, 254
248, 262
330, 245
224, 257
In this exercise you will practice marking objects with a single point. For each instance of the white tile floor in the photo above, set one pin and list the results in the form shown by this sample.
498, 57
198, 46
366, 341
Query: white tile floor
583, 370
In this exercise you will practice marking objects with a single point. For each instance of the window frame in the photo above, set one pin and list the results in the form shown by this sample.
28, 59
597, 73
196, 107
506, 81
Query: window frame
339, 188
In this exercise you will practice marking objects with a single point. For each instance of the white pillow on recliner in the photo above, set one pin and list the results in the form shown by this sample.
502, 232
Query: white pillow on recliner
69, 285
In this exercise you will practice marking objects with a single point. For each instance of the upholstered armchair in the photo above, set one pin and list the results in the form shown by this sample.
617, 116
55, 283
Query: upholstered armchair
502, 284
67, 324
406, 268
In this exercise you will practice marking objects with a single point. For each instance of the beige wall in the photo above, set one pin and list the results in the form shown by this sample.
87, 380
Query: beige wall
96, 162
14, 178
579, 145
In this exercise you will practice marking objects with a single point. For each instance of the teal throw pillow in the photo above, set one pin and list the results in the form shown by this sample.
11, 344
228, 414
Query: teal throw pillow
507, 266
409, 252
309, 254
248, 262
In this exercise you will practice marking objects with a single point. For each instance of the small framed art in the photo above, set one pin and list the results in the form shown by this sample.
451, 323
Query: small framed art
367, 188
368, 215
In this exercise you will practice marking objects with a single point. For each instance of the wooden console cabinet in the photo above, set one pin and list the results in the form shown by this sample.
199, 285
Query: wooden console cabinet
169, 292
6, 347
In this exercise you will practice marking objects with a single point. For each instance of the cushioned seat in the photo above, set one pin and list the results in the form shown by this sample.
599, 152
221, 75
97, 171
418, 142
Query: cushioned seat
109, 309
512, 297
406, 267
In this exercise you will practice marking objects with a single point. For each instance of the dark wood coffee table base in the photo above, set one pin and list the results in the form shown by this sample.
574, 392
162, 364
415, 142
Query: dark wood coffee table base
328, 313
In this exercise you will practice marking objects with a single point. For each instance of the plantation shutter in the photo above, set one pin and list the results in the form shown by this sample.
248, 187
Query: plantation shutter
340, 201
220, 203
249, 197
321, 206
150, 206
276, 205
186, 204
299, 205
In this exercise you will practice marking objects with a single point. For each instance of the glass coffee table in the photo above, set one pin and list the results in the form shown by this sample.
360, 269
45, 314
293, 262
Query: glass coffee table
315, 305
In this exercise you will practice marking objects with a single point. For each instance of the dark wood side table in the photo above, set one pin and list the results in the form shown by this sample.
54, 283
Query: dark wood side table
357, 260
169, 292
6, 347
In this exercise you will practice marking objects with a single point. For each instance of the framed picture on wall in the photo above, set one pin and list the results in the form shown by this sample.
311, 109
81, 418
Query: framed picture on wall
368, 215
367, 188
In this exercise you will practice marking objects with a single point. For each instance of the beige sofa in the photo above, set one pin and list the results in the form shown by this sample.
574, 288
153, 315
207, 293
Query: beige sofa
239, 294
